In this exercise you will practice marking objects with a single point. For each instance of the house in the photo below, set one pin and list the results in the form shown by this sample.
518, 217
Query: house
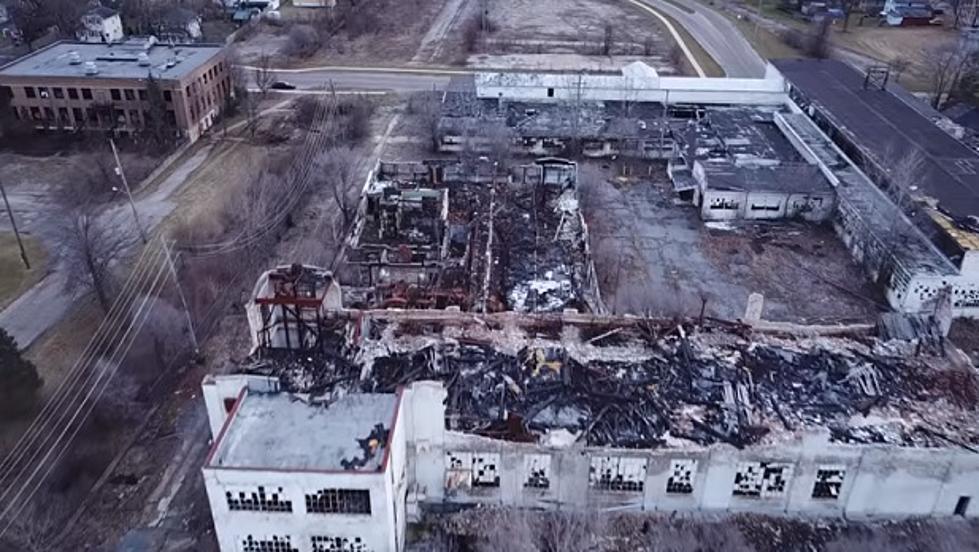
101, 24
179, 25
907, 13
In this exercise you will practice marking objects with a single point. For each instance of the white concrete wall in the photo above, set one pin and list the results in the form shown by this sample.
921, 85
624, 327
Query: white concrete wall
636, 84
877, 480
376, 530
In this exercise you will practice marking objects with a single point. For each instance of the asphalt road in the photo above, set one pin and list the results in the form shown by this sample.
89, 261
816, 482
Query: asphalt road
722, 40
393, 80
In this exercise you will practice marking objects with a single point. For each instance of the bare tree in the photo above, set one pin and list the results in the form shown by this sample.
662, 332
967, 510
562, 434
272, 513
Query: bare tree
948, 65
608, 39
263, 73
899, 65
338, 169
90, 248
819, 39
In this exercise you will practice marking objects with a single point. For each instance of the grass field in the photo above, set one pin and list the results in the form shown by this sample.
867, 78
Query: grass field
14, 278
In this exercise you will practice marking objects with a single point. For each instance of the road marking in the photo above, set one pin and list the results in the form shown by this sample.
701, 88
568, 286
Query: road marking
675, 34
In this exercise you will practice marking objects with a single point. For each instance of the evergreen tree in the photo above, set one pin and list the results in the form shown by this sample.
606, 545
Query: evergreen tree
19, 381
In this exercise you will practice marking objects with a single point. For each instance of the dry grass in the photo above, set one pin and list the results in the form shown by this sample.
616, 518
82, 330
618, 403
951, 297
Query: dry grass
14, 277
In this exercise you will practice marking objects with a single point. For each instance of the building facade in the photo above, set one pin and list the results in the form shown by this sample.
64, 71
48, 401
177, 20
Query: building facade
102, 25
288, 476
80, 86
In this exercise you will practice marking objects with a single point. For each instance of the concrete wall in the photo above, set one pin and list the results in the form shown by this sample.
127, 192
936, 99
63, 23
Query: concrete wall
377, 531
635, 84
856, 480
381, 530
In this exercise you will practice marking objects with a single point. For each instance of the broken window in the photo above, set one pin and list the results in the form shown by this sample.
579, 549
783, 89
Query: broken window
472, 469
274, 543
617, 473
257, 501
829, 482
722, 203
681, 476
761, 479
537, 471
339, 501
338, 544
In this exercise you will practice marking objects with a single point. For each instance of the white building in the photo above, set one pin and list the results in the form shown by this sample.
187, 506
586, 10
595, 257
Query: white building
288, 474
101, 24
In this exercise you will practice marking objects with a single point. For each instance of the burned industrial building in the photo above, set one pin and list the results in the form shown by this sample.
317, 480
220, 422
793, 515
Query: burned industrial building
459, 352
472, 235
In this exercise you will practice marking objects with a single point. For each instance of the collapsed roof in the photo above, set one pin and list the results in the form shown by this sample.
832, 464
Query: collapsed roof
637, 384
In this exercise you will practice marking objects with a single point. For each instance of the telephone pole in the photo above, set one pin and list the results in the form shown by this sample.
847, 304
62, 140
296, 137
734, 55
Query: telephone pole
13, 223
129, 193
180, 293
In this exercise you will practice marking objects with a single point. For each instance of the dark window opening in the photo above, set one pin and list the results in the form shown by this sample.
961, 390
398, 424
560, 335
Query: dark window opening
86, 93
130, 94
115, 94
58, 93
167, 96
29, 90
271, 544
229, 404
339, 501
258, 501
142, 95
550, 92
73, 93
962, 506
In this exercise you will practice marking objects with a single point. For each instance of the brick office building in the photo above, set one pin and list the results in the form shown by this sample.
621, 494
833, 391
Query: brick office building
77, 86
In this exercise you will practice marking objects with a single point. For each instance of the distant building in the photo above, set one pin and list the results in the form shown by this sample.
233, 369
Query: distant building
84, 86
180, 25
906, 13
101, 24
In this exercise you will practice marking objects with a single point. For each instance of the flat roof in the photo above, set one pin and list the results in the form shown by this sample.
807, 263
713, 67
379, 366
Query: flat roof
883, 124
281, 431
790, 178
114, 61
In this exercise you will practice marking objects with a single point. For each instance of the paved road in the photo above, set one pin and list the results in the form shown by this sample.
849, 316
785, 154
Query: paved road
393, 80
722, 40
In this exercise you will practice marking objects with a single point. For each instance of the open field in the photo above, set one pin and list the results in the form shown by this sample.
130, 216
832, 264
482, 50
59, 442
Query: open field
395, 33
14, 277
613, 30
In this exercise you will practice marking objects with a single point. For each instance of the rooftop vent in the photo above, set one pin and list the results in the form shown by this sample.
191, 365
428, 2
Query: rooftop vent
144, 59
91, 68
171, 62
150, 42
74, 58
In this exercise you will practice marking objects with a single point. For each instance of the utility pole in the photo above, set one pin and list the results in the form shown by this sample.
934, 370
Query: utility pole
180, 293
13, 223
129, 193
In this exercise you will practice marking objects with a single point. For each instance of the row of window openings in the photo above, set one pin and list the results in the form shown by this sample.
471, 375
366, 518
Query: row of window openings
323, 501
320, 543
89, 116
116, 94
628, 474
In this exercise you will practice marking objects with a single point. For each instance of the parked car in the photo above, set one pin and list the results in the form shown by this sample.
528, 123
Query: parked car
282, 85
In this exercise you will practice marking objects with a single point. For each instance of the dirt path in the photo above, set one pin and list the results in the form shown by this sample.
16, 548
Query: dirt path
434, 41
